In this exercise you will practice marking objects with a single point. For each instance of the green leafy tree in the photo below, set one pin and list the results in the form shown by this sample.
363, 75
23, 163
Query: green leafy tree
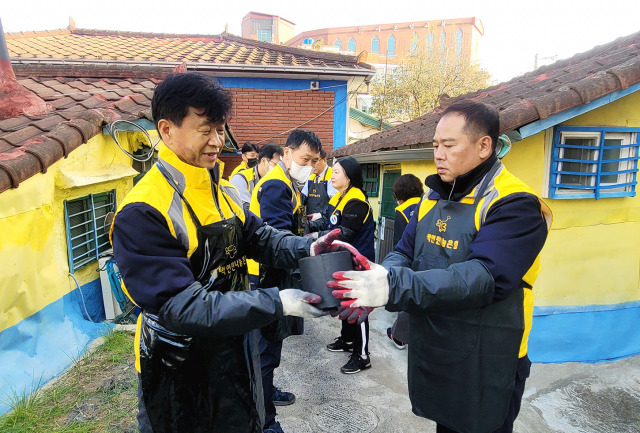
414, 87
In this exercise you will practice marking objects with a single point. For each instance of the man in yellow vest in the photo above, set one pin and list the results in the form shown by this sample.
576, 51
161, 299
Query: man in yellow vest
181, 239
249, 158
276, 199
246, 180
464, 270
318, 190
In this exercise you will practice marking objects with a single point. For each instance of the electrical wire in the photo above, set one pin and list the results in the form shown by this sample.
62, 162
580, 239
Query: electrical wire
84, 305
113, 130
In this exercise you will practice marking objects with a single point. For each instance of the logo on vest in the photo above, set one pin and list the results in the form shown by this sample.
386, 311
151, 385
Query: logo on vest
442, 224
334, 219
231, 251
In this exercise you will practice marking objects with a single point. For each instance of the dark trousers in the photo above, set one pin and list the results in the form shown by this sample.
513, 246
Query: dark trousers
270, 354
512, 412
358, 334
144, 425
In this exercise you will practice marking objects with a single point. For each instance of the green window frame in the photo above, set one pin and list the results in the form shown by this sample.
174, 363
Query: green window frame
371, 178
87, 236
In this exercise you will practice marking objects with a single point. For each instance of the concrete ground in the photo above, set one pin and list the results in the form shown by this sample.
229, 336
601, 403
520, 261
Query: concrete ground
566, 398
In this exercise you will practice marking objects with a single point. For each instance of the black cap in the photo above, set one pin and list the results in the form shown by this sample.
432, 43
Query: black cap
353, 171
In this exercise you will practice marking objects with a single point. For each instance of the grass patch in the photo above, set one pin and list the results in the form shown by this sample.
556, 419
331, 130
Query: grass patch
97, 394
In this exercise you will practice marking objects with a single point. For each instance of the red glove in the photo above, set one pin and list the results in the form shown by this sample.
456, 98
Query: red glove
353, 315
329, 243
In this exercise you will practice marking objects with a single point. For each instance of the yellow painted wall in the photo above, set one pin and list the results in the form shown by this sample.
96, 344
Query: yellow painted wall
592, 255
33, 246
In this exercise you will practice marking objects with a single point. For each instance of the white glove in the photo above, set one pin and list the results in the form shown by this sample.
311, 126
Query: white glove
367, 288
296, 303
315, 216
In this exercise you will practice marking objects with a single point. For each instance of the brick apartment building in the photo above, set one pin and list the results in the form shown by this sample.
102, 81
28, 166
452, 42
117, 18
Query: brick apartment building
458, 36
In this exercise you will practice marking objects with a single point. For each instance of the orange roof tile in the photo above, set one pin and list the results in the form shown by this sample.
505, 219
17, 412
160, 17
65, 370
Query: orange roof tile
83, 44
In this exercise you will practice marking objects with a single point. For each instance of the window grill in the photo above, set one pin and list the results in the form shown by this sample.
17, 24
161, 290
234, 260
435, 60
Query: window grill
371, 178
87, 236
594, 162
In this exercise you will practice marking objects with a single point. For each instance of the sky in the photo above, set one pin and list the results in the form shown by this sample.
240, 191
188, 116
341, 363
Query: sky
515, 31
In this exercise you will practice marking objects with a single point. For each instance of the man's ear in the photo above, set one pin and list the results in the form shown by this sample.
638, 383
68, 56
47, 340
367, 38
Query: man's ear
165, 128
485, 147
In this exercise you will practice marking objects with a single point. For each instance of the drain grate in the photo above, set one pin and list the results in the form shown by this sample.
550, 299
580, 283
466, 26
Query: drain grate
345, 417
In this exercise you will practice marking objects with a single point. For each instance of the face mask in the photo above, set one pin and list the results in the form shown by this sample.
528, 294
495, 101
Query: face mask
252, 162
300, 173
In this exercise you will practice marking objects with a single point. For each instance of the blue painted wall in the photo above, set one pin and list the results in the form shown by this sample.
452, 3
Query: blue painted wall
585, 333
43, 346
339, 89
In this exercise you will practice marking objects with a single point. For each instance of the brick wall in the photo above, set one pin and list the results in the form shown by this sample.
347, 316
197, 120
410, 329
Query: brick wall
266, 115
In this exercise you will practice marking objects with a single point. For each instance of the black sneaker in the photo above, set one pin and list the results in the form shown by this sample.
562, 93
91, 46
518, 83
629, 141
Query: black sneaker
399, 344
282, 398
273, 428
356, 364
340, 346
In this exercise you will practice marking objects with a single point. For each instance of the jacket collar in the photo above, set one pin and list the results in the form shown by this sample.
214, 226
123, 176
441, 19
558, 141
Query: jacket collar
186, 174
463, 184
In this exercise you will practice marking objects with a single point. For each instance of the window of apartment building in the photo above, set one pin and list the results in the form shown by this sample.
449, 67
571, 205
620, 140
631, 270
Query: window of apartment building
338, 43
391, 45
594, 162
375, 45
262, 28
308, 41
87, 236
443, 38
429, 41
459, 42
351, 45
414, 43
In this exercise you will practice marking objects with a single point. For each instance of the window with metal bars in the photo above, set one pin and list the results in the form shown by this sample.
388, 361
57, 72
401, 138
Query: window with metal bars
594, 162
87, 236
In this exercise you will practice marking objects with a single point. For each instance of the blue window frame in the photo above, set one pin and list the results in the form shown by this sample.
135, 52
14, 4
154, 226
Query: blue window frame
594, 162
264, 35
429, 41
308, 41
391, 46
414, 43
87, 236
375, 45
443, 39
351, 45
458, 42
338, 43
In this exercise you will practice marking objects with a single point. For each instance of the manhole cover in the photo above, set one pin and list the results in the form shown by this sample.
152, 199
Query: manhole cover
345, 417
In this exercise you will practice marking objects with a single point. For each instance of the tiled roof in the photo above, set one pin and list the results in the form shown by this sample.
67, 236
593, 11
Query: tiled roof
536, 95
224, 49
80, 107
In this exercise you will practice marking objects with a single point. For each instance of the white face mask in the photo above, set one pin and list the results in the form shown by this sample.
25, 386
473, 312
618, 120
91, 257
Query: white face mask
300, 173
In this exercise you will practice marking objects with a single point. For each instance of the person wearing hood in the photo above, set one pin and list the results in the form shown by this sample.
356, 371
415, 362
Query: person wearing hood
246, 180
464, 270
249, 158
276, 199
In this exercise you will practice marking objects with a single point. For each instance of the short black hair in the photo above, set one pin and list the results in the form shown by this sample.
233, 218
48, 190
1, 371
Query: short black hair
250, 147
269, 150
407, 186
300, 136
177, 92
323, 154
480, 119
